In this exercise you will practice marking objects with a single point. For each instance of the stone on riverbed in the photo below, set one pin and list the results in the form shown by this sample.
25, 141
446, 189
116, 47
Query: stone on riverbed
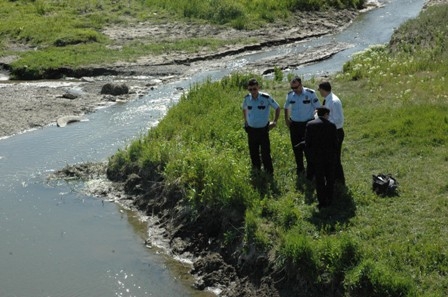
113, 89
63, 121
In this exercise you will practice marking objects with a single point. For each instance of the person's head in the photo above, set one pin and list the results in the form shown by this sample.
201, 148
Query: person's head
253, 86
324, 88
323, 112
296, 85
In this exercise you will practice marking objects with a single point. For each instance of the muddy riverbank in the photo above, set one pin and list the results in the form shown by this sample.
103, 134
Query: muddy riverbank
28, 105
234, 274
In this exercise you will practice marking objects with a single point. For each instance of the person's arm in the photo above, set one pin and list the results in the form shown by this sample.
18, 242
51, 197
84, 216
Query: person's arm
286, 107
276, 115
244, 108
338, 116
315, 102
287, 120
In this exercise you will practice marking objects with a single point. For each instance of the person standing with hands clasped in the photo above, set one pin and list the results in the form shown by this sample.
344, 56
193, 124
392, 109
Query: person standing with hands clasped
321, 145
256, 112
333, 103
300, 106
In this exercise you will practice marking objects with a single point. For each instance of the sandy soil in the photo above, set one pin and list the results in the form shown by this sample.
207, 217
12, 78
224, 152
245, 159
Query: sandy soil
28, 105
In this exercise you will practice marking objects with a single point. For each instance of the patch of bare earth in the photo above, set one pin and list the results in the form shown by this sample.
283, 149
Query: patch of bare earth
301, 26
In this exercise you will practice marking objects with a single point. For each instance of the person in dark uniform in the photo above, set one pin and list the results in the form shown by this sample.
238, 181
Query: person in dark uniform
300, 106
256, 112
321, 146
334, 104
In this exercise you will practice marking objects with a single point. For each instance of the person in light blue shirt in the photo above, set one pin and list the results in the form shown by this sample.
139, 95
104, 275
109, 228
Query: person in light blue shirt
256, 112
334, 104
300, 106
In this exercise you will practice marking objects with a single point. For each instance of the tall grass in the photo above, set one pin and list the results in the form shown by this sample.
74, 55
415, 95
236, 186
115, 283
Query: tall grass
395, 103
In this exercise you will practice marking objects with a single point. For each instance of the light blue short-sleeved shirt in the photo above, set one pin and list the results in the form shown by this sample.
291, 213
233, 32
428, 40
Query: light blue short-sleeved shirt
258, 109
302, 106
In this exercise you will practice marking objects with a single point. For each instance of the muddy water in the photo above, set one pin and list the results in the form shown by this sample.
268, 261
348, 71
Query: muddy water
56, 241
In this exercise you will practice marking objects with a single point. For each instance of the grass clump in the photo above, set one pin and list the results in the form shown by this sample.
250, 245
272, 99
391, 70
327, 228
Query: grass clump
395, 104
376, 280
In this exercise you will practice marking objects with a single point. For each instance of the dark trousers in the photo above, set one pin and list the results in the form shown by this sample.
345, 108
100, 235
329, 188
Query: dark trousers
325, 178
297, 135
259, 142
339, 171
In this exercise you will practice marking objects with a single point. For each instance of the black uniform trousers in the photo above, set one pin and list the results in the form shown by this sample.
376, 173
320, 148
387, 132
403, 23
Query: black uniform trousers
325, 176
297, 135
259, 142
339, 171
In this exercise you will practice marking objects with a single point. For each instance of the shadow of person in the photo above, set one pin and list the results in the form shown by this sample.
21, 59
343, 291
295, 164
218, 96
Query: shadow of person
307, 187
341, 210
264, 183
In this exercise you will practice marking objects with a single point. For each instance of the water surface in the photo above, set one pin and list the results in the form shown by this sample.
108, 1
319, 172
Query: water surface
56, 241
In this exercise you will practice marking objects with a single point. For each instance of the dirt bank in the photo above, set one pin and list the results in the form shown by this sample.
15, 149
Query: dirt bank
234, 271
231, 271
35, 104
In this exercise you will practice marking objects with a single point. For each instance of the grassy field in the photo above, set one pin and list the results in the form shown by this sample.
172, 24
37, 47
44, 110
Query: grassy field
396, 107
47, 34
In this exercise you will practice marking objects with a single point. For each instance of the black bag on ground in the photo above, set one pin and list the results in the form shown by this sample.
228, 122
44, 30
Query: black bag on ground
384, 185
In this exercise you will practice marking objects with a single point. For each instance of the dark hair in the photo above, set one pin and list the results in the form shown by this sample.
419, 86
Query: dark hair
296, 79
321, 111
325, 86
252, 82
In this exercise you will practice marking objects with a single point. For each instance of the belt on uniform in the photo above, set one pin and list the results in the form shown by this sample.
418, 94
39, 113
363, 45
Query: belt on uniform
301, 122
259, 127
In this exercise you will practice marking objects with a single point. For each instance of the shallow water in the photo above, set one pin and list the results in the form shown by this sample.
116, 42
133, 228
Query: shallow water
56, 241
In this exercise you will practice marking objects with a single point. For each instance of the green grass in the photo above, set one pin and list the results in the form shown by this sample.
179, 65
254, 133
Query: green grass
396, 108
36, 64
68, 33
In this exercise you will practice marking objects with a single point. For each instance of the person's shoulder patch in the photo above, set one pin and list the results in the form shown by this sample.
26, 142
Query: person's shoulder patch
265, 95
309, 90
290, 92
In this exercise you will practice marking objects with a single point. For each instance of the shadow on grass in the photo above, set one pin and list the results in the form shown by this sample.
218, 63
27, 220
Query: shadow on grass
264, 183
341, 211
306, 187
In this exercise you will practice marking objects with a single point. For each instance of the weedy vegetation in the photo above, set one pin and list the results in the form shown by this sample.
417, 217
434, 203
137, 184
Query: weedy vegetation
396, 108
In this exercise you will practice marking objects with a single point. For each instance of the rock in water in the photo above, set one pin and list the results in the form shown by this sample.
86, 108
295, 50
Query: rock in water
63, 121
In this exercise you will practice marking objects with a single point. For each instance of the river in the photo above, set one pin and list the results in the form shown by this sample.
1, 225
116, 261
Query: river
57, 241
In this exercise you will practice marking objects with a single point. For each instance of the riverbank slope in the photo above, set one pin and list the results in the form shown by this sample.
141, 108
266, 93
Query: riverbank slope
251, 236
